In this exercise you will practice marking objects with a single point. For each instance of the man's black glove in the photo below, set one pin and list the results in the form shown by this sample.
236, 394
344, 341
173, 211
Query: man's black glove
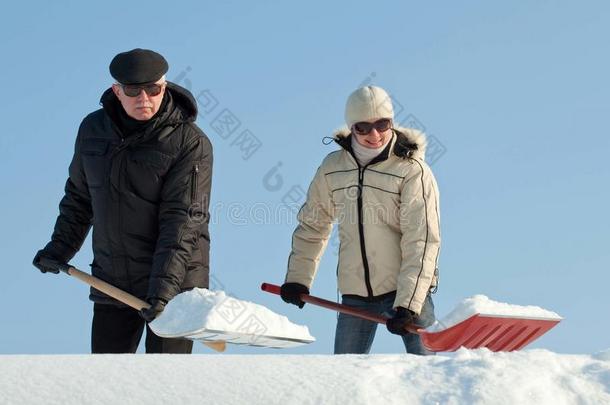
291, 293
398, 323
157, 306
46, 262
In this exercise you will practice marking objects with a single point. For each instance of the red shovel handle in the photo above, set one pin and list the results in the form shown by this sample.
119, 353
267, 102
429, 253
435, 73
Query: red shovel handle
275, 289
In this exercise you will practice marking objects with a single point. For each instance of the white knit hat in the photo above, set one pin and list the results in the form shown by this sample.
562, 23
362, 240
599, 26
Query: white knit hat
368, 103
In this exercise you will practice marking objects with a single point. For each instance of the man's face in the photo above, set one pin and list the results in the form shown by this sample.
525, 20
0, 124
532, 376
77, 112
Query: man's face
142, 106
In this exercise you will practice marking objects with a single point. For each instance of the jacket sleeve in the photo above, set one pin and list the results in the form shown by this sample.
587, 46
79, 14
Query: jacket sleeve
183, 213
312, 233
420, 241
75, 212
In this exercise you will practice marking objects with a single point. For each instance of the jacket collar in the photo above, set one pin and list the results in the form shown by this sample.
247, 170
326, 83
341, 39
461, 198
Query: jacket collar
406, 143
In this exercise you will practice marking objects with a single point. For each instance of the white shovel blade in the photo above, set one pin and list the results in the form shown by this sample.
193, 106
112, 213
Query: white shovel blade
243, 338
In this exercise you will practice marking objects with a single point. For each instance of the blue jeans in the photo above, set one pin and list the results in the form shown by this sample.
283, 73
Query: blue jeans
355, 335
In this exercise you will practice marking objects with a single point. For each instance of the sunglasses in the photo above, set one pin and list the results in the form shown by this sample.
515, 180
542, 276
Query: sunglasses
365, 128
134, 90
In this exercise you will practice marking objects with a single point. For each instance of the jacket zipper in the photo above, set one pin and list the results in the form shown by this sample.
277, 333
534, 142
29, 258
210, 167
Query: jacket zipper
365, 262
197, 210
120, 218
113, 252
194, 183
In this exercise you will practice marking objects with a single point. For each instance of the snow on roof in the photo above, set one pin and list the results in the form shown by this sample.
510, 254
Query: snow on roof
468, 377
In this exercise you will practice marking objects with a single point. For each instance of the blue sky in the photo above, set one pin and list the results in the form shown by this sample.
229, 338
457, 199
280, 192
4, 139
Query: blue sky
514, 95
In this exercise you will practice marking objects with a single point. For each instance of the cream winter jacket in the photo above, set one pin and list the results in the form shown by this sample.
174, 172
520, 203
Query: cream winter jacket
388, 216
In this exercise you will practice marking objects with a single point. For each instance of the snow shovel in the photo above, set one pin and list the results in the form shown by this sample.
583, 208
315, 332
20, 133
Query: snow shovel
117, 294
496, 333
214, 339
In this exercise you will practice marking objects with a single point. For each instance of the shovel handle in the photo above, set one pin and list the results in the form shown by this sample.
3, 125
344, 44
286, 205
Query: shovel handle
310, 299
275, 289
108, 289
122, 296
98, 284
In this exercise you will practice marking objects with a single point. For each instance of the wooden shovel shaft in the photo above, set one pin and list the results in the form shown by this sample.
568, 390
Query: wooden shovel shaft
109, 289
275, 289
125, 298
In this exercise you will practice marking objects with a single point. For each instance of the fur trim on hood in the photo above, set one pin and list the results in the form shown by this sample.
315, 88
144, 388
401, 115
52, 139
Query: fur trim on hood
410, 143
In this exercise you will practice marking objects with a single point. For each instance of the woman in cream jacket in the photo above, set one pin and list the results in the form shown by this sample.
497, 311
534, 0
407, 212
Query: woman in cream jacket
384, 198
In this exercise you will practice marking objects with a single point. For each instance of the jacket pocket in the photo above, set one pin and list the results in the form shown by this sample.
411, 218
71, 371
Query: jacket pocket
145, 172
94, 160
151, 158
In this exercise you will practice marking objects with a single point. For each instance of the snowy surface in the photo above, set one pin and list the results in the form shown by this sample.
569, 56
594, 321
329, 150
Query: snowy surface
480, 304
467, 377
200, 309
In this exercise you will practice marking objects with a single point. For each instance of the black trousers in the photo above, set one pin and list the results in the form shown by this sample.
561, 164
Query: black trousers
119, 330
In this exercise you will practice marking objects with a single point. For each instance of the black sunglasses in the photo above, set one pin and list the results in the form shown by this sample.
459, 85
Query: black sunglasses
365, 128
134, 90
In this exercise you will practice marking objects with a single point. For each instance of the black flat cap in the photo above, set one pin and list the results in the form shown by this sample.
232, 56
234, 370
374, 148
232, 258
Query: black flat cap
138, 66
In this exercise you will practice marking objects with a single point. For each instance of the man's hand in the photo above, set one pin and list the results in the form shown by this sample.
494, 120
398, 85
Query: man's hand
46, 262
398, 323
156, 307
291, 293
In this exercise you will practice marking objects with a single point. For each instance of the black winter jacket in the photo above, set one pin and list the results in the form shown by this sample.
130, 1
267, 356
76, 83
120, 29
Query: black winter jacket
146, 196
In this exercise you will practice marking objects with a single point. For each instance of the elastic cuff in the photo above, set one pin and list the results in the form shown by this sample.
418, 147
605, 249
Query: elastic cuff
60, 250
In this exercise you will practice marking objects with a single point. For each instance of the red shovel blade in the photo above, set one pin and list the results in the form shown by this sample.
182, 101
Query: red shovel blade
496, 333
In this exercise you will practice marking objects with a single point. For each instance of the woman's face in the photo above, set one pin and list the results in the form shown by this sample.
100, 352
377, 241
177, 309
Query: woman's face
373, 133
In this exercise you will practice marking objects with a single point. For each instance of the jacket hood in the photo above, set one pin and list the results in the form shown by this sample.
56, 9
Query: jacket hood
410, 143
183, 107
185, 100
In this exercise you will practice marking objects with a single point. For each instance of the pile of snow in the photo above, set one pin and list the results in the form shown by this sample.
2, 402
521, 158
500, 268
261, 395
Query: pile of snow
480, 304
202, 309
468, 377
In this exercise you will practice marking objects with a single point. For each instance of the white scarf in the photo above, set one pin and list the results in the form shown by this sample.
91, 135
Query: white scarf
363, 154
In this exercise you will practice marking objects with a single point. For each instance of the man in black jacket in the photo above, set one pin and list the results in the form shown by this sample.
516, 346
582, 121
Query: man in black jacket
141, 177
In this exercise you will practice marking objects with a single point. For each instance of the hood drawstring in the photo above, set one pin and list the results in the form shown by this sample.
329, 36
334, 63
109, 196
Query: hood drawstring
327, 140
